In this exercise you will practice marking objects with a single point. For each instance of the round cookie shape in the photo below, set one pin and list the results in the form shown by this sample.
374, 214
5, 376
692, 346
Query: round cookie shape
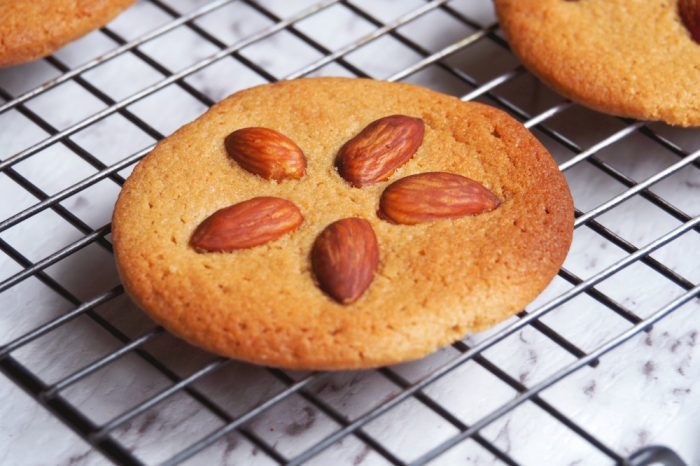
426, 285
31, 29
631, 58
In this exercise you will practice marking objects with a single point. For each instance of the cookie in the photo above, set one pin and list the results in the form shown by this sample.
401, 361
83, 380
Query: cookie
31, 29
334, 223
631, 58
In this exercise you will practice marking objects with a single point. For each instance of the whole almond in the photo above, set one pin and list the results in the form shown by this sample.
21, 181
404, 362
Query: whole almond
247, 224
379, 149
344, 259
433, 196
690, 14
266, 153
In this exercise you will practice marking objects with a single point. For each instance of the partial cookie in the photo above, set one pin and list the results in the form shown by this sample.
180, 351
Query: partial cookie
336, 223
632, 58
31, 29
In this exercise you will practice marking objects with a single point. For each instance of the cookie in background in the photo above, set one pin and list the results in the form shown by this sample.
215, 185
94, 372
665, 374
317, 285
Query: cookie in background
32, 29
631, 58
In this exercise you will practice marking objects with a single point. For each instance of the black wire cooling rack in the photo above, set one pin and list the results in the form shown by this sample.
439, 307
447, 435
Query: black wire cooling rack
475, 66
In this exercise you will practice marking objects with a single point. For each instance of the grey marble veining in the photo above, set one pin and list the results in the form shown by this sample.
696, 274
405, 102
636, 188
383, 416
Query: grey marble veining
645, 392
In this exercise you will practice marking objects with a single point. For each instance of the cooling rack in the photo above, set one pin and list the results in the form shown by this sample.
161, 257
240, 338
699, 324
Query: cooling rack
567, 381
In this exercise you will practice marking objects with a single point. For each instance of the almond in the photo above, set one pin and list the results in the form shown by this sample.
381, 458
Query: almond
344, 259
379, 149
433, 196
266, 153
247, 224
690, 14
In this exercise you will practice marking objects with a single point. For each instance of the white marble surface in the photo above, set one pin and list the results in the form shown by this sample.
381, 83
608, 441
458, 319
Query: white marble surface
644, 392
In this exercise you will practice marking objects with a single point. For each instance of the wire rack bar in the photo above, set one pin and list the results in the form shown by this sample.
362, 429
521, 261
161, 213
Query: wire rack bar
608, 302
306, 39
647, 260
63, 410
666, 143
366, 39
154, 400
447, 415
488, 86
55, 257
213, 40
50, 201
64, 383
444, 53
6, 349
340, 419
604, 207
609, 141
211, 438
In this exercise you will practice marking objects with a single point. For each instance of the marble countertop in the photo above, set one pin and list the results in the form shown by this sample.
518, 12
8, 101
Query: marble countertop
645, 392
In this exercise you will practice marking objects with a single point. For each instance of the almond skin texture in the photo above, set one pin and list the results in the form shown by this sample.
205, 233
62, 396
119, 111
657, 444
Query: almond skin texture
382, 147
344, 259
690, 14
266, 153
434, 196
247, 224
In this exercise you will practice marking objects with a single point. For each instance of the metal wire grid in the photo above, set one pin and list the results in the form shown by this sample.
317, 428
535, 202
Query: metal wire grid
99, 435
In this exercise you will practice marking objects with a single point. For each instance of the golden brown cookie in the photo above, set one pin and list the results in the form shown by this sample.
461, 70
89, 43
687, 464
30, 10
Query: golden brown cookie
632, 58
31, 29
329, 277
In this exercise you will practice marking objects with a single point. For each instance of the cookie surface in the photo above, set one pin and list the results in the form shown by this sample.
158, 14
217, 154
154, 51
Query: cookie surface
632, 58
31, 29
435, 281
